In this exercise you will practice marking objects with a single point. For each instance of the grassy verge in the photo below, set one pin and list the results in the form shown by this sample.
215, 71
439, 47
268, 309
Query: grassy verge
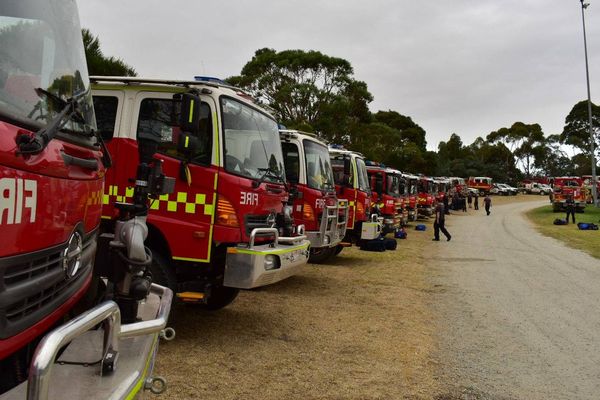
588, 241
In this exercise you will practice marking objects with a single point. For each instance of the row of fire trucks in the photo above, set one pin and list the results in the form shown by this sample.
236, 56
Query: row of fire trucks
120, 195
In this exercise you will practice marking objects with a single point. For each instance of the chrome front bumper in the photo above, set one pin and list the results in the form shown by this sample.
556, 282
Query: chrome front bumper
135, 346
333, 226
251, 266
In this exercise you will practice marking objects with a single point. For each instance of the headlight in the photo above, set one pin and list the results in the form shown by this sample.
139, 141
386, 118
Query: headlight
326, 239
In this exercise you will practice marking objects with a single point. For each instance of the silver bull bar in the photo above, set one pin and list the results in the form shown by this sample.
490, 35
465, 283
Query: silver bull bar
333, 226
107, 313
251, 266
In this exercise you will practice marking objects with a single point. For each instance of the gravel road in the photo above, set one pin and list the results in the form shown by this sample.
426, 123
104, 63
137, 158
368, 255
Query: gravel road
519, 313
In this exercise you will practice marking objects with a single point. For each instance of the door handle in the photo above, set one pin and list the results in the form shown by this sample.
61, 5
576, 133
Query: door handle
87, 163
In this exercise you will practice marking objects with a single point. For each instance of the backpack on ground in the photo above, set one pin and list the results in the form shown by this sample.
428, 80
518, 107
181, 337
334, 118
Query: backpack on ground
373, 245
401, 234
420, 227
390, 244
587, 226
560, 221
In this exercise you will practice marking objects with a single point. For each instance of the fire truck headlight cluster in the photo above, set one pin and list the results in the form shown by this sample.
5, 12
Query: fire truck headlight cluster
326, 239
271, 262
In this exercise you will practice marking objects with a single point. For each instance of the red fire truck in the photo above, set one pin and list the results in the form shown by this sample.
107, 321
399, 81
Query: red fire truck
441, 187
411, 195
426, 196
227, 226
308, 171
565, 186
481, 183
52, 168
385, 195
352, 185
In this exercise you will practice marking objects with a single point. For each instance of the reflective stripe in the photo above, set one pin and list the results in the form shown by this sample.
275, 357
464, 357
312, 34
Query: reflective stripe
172, 201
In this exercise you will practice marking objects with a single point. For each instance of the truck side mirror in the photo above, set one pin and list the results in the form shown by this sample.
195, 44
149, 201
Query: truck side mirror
189, 120
188, 145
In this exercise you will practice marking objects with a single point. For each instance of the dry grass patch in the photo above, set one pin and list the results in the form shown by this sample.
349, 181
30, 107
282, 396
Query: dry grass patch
357, 328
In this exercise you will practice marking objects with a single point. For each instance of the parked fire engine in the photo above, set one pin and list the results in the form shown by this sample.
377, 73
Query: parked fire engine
309, 173
457, 185
565, 186
426, 196
441, 187
52, 166
411, 195
385, 195
227, 226
481, 183
352, 184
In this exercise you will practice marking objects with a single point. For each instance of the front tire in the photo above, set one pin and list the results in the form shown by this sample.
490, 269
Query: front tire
220, 297
319, 255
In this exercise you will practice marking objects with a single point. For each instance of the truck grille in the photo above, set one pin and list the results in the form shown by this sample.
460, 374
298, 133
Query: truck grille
256, 221
33, 285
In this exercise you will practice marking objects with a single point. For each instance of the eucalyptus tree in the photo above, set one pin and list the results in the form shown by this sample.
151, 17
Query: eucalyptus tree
307, 88
576, 130
525, 141
98, 63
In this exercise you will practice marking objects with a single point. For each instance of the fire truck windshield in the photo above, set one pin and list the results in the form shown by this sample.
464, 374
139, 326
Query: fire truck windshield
42, 64
393, 185
363, 176
252, 144
319, 174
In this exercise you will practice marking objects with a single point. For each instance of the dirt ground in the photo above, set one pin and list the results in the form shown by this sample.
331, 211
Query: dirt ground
361, 327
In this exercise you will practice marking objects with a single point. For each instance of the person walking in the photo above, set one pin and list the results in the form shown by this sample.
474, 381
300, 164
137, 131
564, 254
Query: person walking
488, 203
463, 203
476, 200
439, 224
570, 206
469, 199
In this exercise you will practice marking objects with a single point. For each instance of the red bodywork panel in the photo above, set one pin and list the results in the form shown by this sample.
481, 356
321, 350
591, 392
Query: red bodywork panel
314, 199
64, 195
187, 217
42, 201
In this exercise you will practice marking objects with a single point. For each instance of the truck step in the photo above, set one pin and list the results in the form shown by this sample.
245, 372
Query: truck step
191, 297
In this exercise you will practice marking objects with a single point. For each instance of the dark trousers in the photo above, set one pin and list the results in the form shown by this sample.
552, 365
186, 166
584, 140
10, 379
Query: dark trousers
476, 205
487, 209
440, 227
572, 213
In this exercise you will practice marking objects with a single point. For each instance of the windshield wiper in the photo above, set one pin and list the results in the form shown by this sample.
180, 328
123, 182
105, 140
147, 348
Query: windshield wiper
69, 111
268, 172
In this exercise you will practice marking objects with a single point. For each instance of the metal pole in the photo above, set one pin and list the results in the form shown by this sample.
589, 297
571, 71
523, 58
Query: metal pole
587, 75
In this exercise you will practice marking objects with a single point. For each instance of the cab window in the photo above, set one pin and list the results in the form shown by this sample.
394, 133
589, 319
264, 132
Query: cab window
106, 115
291, 162
158, 120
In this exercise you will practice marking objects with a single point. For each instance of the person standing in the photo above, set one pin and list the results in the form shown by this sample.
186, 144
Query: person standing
469, 199
488, 203
476, 200
570, 206
439, 224
446, 208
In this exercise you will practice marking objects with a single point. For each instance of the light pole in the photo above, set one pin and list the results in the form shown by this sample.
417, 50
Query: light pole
587, 75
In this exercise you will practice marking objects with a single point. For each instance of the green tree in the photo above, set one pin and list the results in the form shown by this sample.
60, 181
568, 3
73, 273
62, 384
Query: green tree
307, 88
409, 130
98, 63
576, 130
525, 141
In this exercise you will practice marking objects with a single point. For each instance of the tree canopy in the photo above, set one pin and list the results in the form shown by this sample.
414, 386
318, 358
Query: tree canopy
98, 63
576, 131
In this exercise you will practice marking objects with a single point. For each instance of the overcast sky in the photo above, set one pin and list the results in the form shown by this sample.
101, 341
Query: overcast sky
455, 66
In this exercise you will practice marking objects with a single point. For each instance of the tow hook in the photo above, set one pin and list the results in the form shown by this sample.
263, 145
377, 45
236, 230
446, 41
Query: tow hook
167, 334
156, 384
